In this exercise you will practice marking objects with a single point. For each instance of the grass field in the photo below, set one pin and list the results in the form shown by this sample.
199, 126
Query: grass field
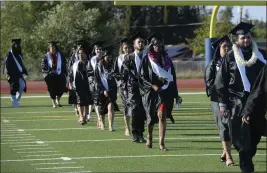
38, 138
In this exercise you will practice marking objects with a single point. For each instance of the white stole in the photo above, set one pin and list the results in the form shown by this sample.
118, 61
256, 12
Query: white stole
103, 79
138, 60
74, 69
160, 72
242, 70
16, 61
93, 62
120, 61
49, 60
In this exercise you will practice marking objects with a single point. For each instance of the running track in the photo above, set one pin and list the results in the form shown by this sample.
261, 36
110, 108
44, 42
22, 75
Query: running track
40, 86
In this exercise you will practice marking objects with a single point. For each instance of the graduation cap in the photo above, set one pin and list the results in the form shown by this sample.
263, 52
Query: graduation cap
53, 42
242, 28
140, 34
80, 42
156, 35
107, 50
16, 41
123, 40
216, 43
97, 43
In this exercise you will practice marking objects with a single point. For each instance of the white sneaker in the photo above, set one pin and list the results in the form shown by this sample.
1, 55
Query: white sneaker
89, 116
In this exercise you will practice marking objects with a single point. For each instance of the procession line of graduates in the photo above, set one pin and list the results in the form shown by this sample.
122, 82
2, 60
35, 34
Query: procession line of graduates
236, 82
145, 78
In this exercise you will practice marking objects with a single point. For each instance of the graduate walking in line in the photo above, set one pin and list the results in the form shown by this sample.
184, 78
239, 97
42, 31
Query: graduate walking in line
16, 72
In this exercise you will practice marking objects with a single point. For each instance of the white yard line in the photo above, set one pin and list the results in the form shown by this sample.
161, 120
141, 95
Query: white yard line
111, 140
39, 152
75, 172
75, 167
32, 149
34, 155
46, 96
112, 157
41, 112
15, 135
20, 140
39, 145
57, 163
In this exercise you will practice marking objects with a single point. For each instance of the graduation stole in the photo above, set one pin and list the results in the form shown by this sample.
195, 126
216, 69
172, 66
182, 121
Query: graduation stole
242, 64
120, 61
16, 61
161, 73
49, 60
103, 77
74, 69
94, 61
137, 59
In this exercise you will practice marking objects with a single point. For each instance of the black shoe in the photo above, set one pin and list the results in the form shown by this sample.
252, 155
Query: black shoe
141, 139
135, 138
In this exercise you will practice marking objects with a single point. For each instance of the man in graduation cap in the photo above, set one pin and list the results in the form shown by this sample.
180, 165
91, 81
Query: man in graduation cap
233, 83
16, 72
54, 72
131, 69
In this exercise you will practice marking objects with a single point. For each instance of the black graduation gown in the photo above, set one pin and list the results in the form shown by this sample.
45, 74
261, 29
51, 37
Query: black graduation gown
122, 84
256, 105
100, 99
151, 98
228, 81
13, 72
81, 87
72, 94
91, 78
130, 79
210, 75
56, 84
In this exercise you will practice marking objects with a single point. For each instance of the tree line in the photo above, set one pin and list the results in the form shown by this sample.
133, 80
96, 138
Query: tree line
38, 22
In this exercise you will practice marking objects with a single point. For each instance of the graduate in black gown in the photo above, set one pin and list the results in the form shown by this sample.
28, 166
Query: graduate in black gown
131, 69
94, 59
124, 50
16, 72
80, 84
105, 89
54, 73
233, 83
221, 46
72, 59
158, 89
255, 113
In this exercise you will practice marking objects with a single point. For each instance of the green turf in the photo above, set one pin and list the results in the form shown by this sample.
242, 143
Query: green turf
193, 141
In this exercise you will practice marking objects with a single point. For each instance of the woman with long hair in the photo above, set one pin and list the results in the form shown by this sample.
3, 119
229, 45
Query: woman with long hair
79, 83
158, 89
221, 46
95, 58
54, 72
124, 50
105, 89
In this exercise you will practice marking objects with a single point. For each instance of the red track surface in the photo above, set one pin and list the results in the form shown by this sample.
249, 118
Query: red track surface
40, 86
